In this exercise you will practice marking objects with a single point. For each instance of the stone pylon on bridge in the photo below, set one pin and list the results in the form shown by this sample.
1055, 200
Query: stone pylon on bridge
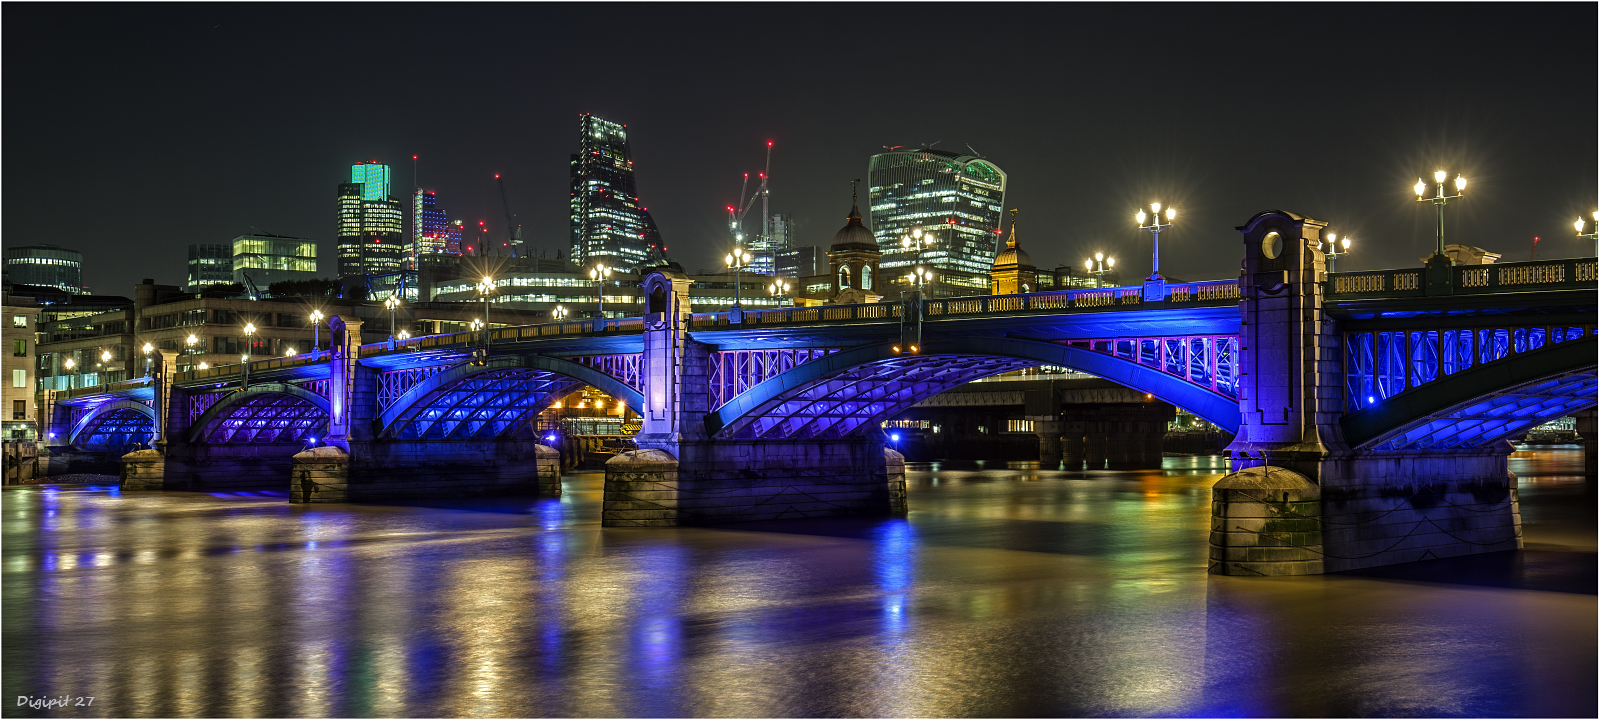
1300, 499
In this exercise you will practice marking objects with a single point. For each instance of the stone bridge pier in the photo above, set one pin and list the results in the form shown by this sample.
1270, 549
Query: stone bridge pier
682, 475
1301, 499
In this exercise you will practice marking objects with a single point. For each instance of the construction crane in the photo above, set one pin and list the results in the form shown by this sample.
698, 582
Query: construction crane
513, 230
250, 285
736, 216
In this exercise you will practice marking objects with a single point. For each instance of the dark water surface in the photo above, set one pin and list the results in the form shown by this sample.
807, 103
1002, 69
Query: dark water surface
1007, 592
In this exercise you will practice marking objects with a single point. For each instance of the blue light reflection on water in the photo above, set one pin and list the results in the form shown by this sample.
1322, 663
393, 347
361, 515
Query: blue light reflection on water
894, 566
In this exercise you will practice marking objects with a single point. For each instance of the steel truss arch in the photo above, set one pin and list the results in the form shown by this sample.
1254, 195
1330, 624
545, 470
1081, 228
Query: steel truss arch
848, 392
477, 402
264, 413
121, 420
1481, 405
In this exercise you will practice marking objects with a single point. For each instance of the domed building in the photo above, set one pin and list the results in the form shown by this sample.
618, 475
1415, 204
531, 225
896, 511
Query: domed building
1013, 270
853, 257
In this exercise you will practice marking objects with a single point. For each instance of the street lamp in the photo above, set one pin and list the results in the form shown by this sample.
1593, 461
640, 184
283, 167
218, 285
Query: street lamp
917, 241
919, 276
560, 313
188, 346
1098, 266
1333, 251
737, 260
70, 364
391, 302
1440, 199
599, 274
147, 350
105, 358
316, 331
486, 288
1155, 227
249, 335
779, 289
1593, 234
289, 352
404, 335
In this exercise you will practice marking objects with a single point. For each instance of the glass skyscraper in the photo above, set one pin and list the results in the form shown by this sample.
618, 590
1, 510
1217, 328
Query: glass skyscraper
45, 265
209, 264
271, 258
432, 233
959, 199
608, 223
371, 224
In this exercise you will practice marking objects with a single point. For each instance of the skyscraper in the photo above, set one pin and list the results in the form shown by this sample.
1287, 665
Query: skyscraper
371, 224
46, 265
608, 223
209, 264
959, 199
432, 231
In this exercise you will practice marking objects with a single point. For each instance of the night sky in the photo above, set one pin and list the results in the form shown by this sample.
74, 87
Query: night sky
132, 131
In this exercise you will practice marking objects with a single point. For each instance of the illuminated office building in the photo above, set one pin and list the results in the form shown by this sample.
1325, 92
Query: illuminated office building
609, 225
45, 265
431, 232
959, 199
371, 225
269, 258
209, 264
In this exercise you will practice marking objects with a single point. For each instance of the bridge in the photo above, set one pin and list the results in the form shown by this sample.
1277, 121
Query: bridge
1371, 409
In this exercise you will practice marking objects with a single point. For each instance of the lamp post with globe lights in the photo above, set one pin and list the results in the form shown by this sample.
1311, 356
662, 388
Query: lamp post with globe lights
392, 302
249, 340
1592, 234
738, 259
779, 289
1439, 200
71, 365
599, 274
1155, 227
560, 313
316, 331
148, 348
486, 288
1334, 249
189, 344
1098, 266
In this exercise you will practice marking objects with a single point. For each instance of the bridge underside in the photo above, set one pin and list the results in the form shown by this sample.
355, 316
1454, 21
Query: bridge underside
1496, 416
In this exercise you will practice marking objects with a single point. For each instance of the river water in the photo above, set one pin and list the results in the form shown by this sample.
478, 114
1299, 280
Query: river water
1008, 591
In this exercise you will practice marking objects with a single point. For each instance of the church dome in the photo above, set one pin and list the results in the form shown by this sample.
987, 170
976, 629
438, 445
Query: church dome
854, 235
1013, 255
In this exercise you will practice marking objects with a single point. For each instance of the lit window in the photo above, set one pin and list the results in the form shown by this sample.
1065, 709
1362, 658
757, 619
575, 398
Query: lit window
20, 321
19, 378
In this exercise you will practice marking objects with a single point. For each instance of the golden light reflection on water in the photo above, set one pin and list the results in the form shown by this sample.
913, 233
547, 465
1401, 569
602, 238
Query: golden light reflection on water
1012, 591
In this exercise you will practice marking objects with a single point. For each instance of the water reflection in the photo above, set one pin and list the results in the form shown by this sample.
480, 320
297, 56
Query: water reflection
1009, 590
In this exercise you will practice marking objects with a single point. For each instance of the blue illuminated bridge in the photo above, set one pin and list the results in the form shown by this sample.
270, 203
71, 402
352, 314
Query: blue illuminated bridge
1348, 380
1515, 353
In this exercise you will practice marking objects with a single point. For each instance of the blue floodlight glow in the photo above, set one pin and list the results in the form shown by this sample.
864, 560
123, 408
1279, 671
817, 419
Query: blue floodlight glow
1370, 400
550, 438
895, 437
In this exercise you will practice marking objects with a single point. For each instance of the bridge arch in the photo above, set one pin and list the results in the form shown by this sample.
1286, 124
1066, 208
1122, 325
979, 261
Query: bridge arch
1482, 405
115, 424
265, 413
846, 393
484, 402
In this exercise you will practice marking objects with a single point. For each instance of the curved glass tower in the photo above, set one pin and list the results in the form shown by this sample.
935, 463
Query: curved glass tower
608, 223
959, 199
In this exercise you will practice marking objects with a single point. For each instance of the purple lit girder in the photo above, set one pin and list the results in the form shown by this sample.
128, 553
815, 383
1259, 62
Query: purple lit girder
199, 403
624, 367
485, 405
860, 397
1491, 418
116, 428
1380, 365
735, 371
1210, 361
320, 387
394, 383
267, 418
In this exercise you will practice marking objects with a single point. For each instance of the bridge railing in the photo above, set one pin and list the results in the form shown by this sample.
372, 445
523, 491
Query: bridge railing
103, 389
1571, 273
229, 370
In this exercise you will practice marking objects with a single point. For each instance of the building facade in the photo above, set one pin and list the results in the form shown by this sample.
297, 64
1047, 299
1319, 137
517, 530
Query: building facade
46, 265
959, 199
209, 264
268, 258
432, 232
371, 224
609, 225
20, 316
804, 261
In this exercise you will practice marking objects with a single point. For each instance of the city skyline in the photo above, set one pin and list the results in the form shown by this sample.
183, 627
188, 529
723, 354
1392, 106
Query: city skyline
1088, 135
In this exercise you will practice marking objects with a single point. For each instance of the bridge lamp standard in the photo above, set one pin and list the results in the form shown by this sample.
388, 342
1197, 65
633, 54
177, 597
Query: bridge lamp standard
249, 340
560, 313
70, 364
599, 274
392, 302
188, 347
1591, 235
738, 260
1439, 200
1098, 266
316, 330
779, 289
486, 288
1155, 227
148, 348
1333, 252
